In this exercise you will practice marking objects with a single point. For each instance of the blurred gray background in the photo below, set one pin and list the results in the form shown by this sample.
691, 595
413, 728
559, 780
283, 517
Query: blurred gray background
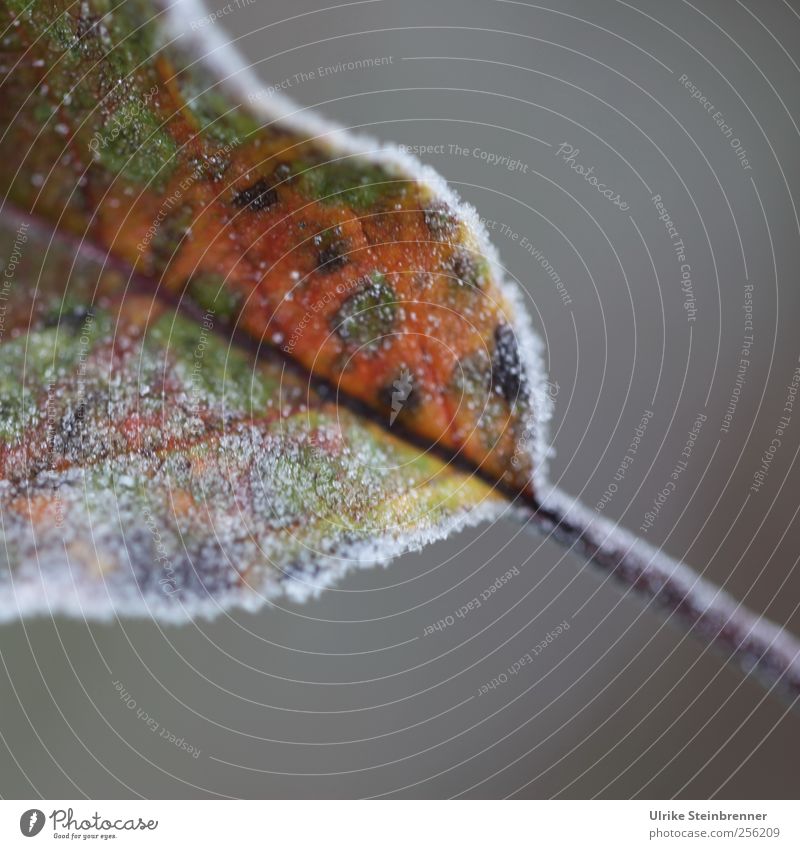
346, 696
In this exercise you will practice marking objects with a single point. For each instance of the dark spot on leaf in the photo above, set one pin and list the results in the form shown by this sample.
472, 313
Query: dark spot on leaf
467, 270
368, 314
331, 250
440, 221
507, 374
281, 173
257, 197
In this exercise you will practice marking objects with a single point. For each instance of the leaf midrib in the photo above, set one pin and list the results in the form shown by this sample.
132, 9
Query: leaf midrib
141, 283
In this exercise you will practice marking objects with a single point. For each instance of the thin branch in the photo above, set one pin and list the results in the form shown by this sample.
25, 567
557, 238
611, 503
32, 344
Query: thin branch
760, 647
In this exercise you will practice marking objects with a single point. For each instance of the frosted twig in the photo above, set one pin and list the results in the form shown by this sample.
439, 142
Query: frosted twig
761, 647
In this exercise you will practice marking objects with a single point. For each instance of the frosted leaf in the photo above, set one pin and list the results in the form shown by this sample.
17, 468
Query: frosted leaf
150, 467
348, 255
